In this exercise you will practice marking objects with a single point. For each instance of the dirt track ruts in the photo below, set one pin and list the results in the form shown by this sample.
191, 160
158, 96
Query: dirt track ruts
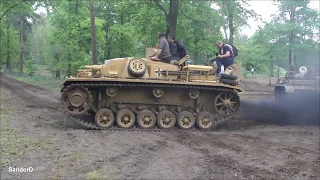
248, 151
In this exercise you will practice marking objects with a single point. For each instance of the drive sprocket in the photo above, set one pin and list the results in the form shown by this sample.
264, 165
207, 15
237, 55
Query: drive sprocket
76, 100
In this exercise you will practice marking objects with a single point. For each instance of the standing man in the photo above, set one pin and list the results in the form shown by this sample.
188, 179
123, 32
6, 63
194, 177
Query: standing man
252, 70
163, 49
225, 56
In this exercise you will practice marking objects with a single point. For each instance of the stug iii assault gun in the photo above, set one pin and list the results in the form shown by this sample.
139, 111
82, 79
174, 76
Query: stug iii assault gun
303, 82
147, 94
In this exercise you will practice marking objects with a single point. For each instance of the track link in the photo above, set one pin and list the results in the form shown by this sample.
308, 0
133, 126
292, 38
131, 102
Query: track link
93, 126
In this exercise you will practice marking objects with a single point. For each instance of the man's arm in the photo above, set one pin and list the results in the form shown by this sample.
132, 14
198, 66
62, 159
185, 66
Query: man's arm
157, 54
161, 45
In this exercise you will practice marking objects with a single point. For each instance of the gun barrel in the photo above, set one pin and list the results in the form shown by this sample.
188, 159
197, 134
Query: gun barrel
93, 67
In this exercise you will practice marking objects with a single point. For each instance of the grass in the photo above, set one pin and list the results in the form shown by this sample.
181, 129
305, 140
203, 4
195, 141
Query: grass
42, 78
13, 144
98, 174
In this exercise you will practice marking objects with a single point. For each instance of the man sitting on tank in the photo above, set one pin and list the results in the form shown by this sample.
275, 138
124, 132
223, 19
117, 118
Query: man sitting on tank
291, 72
224, 57
163, 52
311, 74
177, 49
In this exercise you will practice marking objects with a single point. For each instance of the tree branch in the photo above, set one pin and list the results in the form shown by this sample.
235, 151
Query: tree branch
7, 11
184, 13
161, 8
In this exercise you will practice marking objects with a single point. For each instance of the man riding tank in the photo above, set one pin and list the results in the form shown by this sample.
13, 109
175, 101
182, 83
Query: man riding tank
163, 53
224, 56
177, 49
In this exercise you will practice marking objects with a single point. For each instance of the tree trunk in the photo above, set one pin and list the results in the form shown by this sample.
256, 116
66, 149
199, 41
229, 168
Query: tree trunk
0, 43
121, 35
93, 34
292, 14
108, 42
231, 28
44, 43
69, 64
21, 45
173, 16
36, 51
230, 15
196, 48
224, 25
8, 61
295, 61
225, 32
57, 57
271, 70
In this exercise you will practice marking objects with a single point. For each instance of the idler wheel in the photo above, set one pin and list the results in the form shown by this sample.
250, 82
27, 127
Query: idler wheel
226, 103
104, 118
125, 118
166, 119
146, 119
76, 100
185, 120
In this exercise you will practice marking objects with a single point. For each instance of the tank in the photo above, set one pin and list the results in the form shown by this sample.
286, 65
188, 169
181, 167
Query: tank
301, 83
140, 93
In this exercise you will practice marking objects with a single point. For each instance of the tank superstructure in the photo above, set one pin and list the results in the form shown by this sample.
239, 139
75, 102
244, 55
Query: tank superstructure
297, 83
144, 93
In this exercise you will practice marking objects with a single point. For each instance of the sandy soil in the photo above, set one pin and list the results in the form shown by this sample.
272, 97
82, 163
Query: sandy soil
245, 148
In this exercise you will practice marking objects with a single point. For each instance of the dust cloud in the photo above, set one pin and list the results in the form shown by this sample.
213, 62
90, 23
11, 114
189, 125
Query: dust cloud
297, 109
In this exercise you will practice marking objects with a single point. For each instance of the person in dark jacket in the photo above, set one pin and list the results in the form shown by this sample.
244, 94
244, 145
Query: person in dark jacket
177, 49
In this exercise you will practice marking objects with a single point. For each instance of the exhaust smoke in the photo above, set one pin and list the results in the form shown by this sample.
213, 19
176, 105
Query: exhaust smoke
298, 109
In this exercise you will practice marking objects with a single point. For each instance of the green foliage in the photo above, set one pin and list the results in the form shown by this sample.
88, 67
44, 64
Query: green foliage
127, 27
30, 66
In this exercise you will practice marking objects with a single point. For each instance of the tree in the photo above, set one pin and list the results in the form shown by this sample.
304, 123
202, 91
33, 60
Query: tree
93, 34
235, 14
172, 16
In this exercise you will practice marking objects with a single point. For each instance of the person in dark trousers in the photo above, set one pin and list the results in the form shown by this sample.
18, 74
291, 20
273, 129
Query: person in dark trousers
177, 49
163, 49
224, 56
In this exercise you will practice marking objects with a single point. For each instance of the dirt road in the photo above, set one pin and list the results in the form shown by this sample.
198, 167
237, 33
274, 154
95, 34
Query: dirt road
35, 133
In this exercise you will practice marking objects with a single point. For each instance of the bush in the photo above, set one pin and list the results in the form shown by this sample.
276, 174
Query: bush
31, 67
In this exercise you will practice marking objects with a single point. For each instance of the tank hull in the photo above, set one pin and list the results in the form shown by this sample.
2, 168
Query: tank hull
218, 101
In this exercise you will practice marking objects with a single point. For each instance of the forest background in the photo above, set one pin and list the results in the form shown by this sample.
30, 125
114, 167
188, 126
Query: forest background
59, 37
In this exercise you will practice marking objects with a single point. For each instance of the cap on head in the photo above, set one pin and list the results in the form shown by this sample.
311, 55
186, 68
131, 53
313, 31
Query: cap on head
171, 35
160, 34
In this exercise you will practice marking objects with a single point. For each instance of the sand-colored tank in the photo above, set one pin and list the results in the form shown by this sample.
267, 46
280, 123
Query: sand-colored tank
303, 82
142, 93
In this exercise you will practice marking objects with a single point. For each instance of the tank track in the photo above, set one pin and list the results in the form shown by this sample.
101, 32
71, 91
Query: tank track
92, 126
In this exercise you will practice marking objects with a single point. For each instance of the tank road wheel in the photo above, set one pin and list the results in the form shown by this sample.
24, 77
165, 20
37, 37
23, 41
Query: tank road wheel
194, 93
157, 92
111, 91
137, 67
226, 103
186, 120
205, 120
146, 119
76, 100
166, 119
104, 118
125, 118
